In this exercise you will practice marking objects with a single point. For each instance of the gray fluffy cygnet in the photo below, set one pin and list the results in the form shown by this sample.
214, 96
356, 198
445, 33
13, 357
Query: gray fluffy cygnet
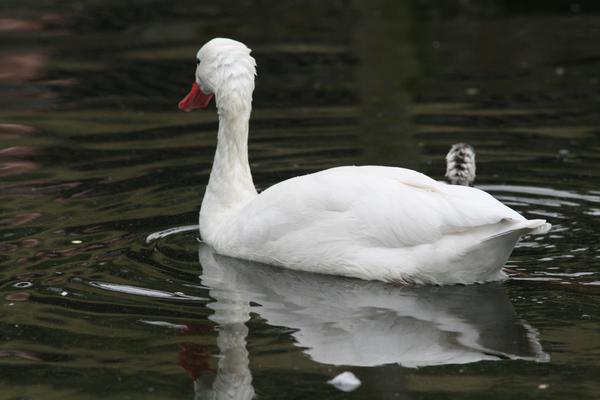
460, 164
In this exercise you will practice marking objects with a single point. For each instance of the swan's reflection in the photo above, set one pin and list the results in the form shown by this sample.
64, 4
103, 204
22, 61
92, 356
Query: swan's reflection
357, 323
231, 311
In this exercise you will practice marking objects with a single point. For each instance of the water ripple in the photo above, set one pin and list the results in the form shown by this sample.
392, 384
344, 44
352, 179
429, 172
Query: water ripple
140, 291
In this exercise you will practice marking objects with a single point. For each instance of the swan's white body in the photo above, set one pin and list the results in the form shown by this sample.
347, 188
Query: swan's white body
370, 222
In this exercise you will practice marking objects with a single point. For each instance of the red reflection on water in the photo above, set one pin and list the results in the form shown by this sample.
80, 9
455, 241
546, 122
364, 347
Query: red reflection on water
21, 219
28, 275
27, 243
18, 296
20, 67
17, 167
43, 22
19, 151
15, 130
193, 357
27, 355
7, 248
20, 25
197, 329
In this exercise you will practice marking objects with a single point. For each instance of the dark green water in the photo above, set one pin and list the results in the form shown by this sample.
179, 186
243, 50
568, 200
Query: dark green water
95, 156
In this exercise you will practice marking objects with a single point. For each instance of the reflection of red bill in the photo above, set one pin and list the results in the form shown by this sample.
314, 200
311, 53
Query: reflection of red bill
196, 98
195, 358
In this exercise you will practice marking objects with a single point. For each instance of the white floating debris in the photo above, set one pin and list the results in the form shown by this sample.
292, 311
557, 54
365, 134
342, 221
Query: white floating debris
472, 91
543, 386
560, 71
77, 241
563, 153
346, 381
64, 293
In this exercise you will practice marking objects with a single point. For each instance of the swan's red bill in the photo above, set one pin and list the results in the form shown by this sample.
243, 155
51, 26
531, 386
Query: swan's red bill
196, 98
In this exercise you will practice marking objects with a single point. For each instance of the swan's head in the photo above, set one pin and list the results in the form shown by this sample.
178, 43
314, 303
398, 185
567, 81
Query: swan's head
224, 69
460, 165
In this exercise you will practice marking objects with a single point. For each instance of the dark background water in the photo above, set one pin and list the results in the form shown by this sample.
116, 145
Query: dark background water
94, 156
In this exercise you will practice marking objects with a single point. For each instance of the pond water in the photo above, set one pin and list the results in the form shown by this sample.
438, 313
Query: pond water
95, 156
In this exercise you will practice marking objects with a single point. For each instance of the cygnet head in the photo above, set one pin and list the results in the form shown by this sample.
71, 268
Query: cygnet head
224, 69
460, 164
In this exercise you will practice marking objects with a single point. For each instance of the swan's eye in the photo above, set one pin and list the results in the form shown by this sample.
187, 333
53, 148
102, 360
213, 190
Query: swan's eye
197, 61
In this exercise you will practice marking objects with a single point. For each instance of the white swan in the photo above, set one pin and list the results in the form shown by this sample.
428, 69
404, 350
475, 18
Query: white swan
369, 222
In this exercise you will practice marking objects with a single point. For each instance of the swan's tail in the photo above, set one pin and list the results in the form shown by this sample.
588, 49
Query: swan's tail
524, 227
538, 226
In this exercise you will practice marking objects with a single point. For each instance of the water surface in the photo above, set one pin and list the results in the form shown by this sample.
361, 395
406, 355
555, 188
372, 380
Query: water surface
94, 157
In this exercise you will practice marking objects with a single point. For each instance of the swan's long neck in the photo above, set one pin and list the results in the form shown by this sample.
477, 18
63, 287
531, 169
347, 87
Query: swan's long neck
230, 185
230, 178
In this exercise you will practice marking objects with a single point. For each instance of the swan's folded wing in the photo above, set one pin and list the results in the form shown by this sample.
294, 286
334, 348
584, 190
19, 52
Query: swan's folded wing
458, 207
